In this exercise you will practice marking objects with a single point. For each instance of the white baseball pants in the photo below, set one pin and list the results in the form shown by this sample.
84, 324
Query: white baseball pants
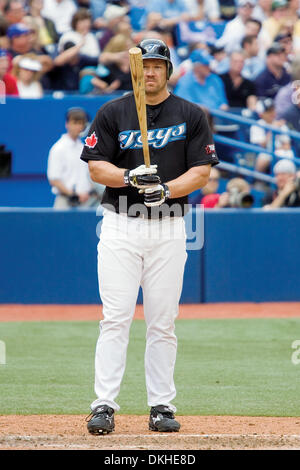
134, 252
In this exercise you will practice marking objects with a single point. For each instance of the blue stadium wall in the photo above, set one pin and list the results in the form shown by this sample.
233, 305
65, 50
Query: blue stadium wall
248, 255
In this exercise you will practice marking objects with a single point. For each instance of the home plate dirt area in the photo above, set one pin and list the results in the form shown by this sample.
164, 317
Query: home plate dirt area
59, 432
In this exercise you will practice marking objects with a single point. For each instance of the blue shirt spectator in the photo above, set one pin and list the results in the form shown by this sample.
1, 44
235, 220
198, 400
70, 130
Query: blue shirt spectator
97, 8
201, 86
167, 8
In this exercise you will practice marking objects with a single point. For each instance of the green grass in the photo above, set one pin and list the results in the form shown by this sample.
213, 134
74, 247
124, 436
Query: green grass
224, 367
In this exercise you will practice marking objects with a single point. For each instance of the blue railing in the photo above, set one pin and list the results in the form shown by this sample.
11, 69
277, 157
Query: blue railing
248, 147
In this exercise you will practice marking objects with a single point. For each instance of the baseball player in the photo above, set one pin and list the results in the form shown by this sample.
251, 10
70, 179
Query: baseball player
142, 240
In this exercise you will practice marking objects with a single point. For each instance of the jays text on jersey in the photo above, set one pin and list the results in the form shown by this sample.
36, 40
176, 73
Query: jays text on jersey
179, 138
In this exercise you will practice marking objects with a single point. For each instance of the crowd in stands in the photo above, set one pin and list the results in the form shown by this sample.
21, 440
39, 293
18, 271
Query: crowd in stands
226, 54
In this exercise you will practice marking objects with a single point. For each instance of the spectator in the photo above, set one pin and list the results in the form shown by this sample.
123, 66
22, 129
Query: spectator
14, 11
208, 196
97, 9
285, 39
273, 24
185, 65
283, 99
67, 174
262, 10
252, 27
220, 64
81, 32
4, 42
240, 92
274, 76
47, 33
235, 29
254, 64
167, 13
27, 71
20, 37
115, 75
204, 10
287, 193
60, 12
10, 82
228, 9
264, 138
237, 195
292, 115
67, 67
200, 85
2, 5
116, 21
20, 40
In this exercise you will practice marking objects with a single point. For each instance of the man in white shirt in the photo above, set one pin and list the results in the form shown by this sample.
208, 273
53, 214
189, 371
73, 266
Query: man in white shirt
60, 12
67, 174
235, 29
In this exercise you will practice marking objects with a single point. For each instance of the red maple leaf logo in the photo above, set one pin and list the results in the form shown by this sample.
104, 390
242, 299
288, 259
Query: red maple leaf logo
210, 149
91, 141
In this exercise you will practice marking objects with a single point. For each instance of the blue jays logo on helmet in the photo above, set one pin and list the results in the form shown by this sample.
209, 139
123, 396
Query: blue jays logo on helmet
156, 49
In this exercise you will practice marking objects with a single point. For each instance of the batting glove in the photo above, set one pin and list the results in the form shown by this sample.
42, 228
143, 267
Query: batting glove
156, 196
142, 177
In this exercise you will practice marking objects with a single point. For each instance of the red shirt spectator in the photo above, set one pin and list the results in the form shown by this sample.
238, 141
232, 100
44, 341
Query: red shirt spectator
210, 200
10, 85
9, 81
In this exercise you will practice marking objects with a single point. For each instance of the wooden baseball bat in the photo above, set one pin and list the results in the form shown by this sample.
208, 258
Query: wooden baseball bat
138, 84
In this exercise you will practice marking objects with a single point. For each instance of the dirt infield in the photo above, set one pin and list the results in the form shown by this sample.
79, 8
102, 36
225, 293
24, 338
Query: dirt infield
58, 432
197, 432
19, 312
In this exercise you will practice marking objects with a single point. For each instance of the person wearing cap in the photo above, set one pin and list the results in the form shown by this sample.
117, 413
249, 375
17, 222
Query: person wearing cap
27, 71
200, 85
260, 136
275, 75
235, 29
19, 37
9, 80
287, 193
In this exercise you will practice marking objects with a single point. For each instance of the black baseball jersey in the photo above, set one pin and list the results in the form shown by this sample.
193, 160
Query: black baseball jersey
179, 138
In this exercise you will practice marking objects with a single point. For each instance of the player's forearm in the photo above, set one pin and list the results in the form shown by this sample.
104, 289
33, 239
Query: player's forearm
106, 173
193, 179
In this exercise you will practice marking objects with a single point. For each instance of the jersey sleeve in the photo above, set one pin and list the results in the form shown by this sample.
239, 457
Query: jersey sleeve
101, 142
200, 145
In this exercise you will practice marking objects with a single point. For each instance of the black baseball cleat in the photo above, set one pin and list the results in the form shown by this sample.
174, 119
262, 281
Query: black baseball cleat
162, 419
101, 421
